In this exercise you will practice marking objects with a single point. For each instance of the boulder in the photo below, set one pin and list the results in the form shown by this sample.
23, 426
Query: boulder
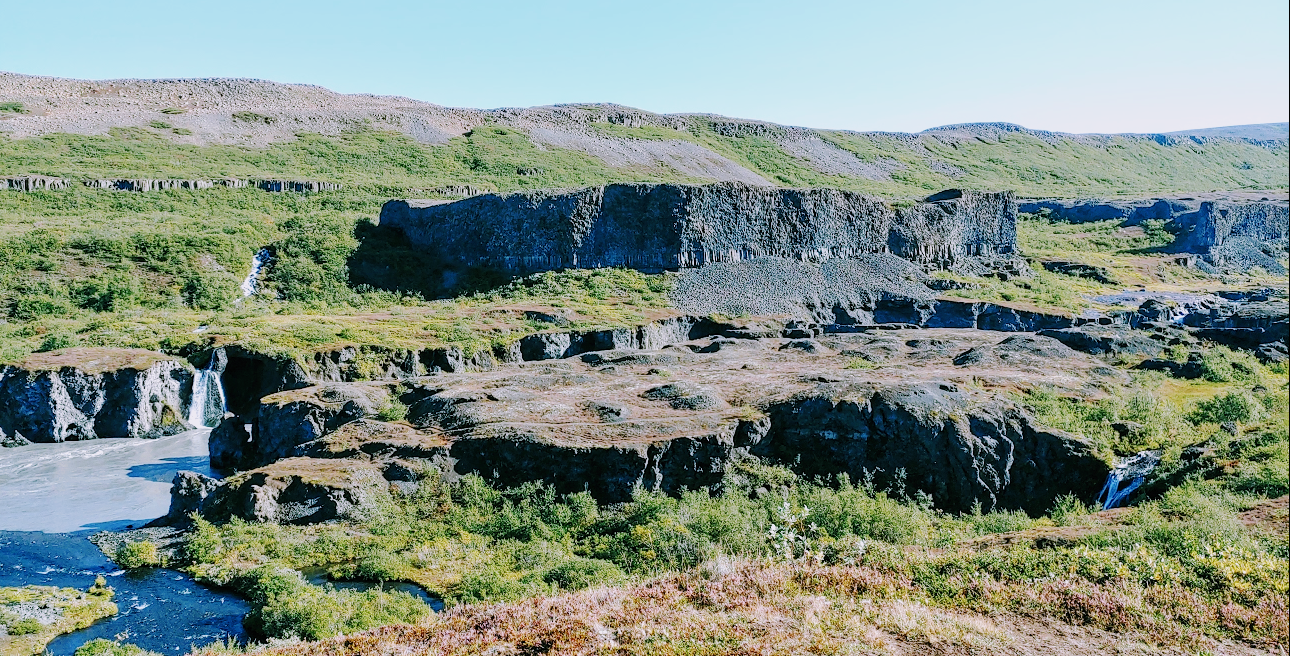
86, 393
230, 443
188, 493
10, 441
1106, 340
291, 491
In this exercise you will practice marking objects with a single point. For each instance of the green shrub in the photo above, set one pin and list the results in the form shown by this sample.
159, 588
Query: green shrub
56, 340
489, 584
312, 262
1239, 407
101, 647
132, 555
173, 110
109, 292
284, 605
393, 411
160, 125
579, 573
209, 290
36, 304
381, 565
1068, 509
182, 131
12, 108
24, 627
1223, 365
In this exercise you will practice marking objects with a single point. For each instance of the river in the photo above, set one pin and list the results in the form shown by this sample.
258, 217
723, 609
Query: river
56, 495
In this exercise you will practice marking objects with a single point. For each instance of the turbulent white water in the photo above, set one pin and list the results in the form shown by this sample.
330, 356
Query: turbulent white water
1127, 476
208, 399
252, 282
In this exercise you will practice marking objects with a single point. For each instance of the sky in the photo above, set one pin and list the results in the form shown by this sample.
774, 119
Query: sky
901, 65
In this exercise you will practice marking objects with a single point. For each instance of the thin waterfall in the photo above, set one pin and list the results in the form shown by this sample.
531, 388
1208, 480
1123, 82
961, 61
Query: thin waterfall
252, 282
207, 404
1128, 472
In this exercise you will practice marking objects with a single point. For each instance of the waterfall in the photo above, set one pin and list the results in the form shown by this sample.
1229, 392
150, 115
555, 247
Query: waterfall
252, 282
1129, 472
207, 404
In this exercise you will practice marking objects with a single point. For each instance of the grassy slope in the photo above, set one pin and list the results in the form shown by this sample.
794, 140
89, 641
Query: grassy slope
1184, 569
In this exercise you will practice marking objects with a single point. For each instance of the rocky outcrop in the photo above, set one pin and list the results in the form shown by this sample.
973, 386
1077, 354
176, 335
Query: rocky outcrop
1261, 327
654, 227
1127, 212
188, 493
1108, 340
680, 414
288, 419
248, 375
1080, 270
958, 451
139, 184
229, 443
1238, 235
293, 491
13, 440
84, 393
35, 182
296, 185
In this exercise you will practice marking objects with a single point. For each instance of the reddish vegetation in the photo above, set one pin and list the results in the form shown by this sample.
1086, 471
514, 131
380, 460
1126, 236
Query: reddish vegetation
752, 608
93, 360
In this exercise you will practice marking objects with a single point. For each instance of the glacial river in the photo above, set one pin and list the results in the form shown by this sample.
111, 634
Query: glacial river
53, 496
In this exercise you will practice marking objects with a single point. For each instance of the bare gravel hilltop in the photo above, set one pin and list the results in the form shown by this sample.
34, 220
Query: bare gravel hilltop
681, 147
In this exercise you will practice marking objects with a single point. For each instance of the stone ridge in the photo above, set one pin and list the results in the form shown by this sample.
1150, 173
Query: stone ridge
654, 227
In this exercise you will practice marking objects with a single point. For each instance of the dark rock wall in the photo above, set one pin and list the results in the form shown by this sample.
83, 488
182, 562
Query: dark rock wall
958, 451
653, 227
1215, 223
1129, 212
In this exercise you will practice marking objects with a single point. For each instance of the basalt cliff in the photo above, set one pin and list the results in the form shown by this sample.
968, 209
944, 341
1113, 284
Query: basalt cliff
655, 227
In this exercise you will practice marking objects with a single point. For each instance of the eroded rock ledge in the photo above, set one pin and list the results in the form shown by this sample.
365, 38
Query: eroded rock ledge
84, 393
901, 405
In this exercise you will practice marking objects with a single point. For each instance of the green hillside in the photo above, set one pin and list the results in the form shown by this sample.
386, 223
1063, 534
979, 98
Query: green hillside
387, 163
90, 266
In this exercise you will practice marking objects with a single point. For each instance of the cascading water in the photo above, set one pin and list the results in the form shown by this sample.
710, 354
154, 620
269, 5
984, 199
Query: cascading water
252, 282
207, 405
1127, 476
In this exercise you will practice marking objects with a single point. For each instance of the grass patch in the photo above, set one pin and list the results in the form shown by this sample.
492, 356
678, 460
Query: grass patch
75, 609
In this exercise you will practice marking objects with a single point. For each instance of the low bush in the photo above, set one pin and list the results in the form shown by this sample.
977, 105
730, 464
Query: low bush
26, 626
132, 555
393, 411
285, 605
101, 647
209, 290
1237, 407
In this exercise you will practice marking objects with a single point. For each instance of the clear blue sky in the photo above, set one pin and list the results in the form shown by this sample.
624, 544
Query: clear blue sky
1075, 65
